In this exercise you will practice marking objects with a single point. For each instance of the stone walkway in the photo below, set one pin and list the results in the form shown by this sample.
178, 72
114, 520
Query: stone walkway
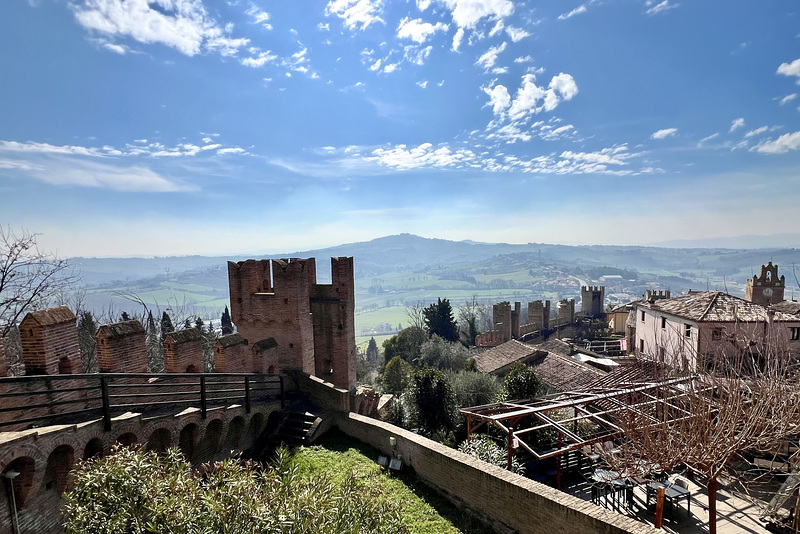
734, 514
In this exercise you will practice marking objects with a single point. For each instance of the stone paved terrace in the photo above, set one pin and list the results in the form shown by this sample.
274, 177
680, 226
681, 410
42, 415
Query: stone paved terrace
735, 515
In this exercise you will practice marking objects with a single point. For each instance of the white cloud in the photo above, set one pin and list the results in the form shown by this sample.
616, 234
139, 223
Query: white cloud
356, 13
181, 24
417, 30
499, 98
706, 139
489, 58
790, 69
457, 38
532, 99
757, 131
788, 98
422, 5
376, 66
46, 148
498, 27
523, 59
425, 155
259, 17
19, 165
736, 124
233, 150
781, 145
324, 27
468, 13
577, 11
116, 48
661, 7
259, 60
516, 34
391, 67
663, 134
423, 84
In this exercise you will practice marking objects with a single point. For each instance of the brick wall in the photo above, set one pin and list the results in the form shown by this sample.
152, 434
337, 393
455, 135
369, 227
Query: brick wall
332, 312
183, 351
50, 342
231, 355
122, 348
499, 496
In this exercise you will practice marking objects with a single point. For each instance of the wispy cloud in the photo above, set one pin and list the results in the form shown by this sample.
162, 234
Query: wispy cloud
707, 139
781, 145
736, 124
356, 14
488, 59
577, 11
185, 25
788, 98
259, 17
417, 30
661, 7
468, 13
663, 134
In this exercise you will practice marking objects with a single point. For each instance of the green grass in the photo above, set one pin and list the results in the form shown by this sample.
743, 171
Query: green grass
424, 511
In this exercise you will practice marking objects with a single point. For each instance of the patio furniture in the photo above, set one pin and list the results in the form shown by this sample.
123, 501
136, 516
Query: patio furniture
607, 483
673, 492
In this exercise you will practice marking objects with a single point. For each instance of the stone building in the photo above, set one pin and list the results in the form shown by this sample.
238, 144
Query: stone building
592, 299
311, 324
50, 342
183, 351
121, 347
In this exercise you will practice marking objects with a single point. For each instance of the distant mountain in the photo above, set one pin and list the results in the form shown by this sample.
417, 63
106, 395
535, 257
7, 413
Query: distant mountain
786, 240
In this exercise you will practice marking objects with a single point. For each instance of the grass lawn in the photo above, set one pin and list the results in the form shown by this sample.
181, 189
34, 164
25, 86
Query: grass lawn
424, 511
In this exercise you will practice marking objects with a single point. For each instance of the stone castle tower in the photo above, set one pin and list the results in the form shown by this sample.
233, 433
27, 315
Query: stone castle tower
766, 289
312, 324
592, 299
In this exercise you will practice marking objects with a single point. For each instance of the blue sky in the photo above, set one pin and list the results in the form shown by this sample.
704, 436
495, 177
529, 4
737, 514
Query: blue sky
130, 127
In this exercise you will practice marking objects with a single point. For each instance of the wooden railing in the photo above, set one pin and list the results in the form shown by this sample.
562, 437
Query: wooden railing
31, 401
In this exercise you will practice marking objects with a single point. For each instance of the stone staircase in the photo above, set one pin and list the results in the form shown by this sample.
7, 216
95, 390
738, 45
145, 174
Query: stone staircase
297, 425
296, 428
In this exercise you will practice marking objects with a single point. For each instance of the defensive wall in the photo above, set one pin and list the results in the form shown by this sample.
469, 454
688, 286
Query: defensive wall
504, 500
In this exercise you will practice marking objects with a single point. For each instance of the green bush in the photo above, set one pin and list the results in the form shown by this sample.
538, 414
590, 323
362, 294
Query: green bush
521, 382
473, 388
137, 492
484, 448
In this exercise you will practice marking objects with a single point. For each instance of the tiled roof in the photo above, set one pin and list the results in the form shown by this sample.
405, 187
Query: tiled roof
230, 340
564, 373
122, 329
787, 306
51, 316
503, 355
714, 306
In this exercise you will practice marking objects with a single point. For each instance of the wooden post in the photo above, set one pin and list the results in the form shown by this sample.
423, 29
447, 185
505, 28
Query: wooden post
203, 396
247, 394
559, 458
469, 428
106, 404
660, 507
510, 446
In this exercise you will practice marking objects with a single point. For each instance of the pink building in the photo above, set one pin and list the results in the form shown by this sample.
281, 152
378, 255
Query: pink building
692, 330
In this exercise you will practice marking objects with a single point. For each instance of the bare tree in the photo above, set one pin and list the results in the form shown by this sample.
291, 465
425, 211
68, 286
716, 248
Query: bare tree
472, 319
416, 314
28, 276
744, 401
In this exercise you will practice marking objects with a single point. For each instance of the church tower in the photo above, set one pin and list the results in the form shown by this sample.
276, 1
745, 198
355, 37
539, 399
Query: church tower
766, 289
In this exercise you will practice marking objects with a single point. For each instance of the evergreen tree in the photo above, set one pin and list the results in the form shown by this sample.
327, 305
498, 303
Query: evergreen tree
439, 320
87, 330
227, 324
521, 382
166, 325
151, 324
433, 401
372, 351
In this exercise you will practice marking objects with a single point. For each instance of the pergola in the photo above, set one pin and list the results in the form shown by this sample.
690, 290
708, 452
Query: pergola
578, 419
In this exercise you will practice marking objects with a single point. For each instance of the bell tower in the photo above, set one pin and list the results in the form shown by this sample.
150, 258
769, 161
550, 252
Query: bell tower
766, 289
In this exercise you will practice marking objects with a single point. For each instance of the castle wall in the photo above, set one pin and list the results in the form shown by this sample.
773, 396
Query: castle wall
50, 342
122, 348
183, 351
592, 300
231, 355
270, 298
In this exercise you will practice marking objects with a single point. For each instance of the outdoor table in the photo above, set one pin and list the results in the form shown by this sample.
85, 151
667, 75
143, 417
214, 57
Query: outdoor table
672, 493
609, 481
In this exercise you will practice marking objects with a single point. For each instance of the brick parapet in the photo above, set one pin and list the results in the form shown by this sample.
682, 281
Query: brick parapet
183, 351
49, 341
122, 348
499, 496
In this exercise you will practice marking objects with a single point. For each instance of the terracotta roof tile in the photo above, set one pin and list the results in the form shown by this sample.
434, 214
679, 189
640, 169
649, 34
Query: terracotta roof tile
714, 306
502, 355
50, 316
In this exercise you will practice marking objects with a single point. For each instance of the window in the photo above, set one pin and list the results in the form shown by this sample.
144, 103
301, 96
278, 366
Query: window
716, 334
642, 316
641, 345
662, 354
794, 332
663, 323
687, 330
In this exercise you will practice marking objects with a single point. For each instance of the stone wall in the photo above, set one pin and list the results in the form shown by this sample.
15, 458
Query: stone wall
504, 500
231, 355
